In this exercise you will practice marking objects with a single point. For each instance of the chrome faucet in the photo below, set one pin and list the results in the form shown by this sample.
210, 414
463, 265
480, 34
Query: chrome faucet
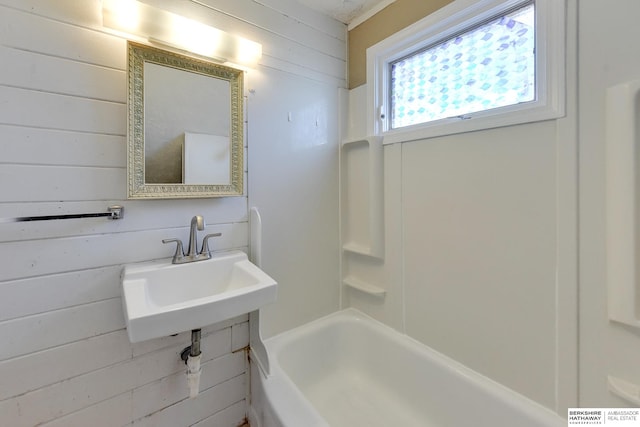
192, 255
196, 222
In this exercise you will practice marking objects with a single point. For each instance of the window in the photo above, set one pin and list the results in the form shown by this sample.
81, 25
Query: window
487, 67
474, 64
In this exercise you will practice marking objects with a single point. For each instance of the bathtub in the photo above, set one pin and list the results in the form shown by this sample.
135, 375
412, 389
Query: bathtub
347, 369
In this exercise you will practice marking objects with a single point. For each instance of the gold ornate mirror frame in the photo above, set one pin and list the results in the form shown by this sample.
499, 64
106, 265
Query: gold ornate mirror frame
138, 55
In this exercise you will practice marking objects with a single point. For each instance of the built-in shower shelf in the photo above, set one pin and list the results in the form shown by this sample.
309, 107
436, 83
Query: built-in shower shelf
357, 248
363, 286
623, 138
362, 194
625, 390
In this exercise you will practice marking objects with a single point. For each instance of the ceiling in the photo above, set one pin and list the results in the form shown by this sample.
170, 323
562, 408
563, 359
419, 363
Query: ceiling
345, 10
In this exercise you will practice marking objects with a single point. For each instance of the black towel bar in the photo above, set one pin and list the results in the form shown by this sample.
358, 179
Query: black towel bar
114, 212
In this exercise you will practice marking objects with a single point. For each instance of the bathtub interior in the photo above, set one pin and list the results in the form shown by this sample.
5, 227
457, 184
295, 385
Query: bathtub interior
354, 370
336, 375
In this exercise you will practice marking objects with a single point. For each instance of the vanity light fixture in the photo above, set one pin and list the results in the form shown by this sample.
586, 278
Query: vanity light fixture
160, 26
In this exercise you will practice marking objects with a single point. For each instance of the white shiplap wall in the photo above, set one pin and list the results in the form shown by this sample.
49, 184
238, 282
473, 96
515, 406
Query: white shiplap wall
65, 359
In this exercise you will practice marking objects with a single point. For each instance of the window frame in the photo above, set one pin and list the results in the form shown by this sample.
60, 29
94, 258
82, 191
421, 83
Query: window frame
457, 17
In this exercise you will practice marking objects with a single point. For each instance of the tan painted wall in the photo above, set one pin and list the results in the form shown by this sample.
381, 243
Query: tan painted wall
388, 21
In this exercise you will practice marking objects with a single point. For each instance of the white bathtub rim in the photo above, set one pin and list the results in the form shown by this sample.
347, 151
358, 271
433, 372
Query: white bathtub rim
284, 384
287, 404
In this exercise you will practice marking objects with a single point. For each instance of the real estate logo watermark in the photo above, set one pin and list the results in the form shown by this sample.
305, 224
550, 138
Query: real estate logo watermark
627, 417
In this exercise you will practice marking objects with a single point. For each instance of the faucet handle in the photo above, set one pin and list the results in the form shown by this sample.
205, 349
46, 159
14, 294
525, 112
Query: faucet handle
179, 251
205, 242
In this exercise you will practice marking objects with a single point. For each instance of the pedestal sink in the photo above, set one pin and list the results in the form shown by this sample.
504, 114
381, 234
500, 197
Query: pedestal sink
161, 298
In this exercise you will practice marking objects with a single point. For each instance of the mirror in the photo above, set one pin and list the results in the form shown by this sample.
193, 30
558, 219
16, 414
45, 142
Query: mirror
185, 135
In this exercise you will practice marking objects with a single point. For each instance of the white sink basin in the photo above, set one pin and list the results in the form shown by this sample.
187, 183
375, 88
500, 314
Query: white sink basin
162, 299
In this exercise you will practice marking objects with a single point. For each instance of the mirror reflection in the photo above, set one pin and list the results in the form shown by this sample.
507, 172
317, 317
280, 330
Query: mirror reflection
184, 142
185, 137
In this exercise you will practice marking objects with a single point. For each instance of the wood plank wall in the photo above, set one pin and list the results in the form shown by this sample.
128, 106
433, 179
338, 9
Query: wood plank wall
65, 359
